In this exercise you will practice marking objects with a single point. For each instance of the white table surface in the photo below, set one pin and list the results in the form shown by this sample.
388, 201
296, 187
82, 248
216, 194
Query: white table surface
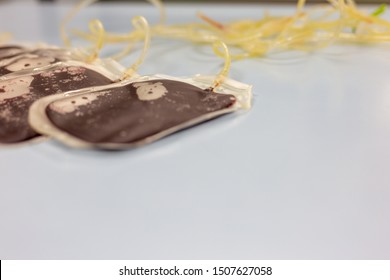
303, 175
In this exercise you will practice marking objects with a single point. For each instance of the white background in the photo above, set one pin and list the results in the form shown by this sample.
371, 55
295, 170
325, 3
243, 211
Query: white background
281, 270
304, 175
